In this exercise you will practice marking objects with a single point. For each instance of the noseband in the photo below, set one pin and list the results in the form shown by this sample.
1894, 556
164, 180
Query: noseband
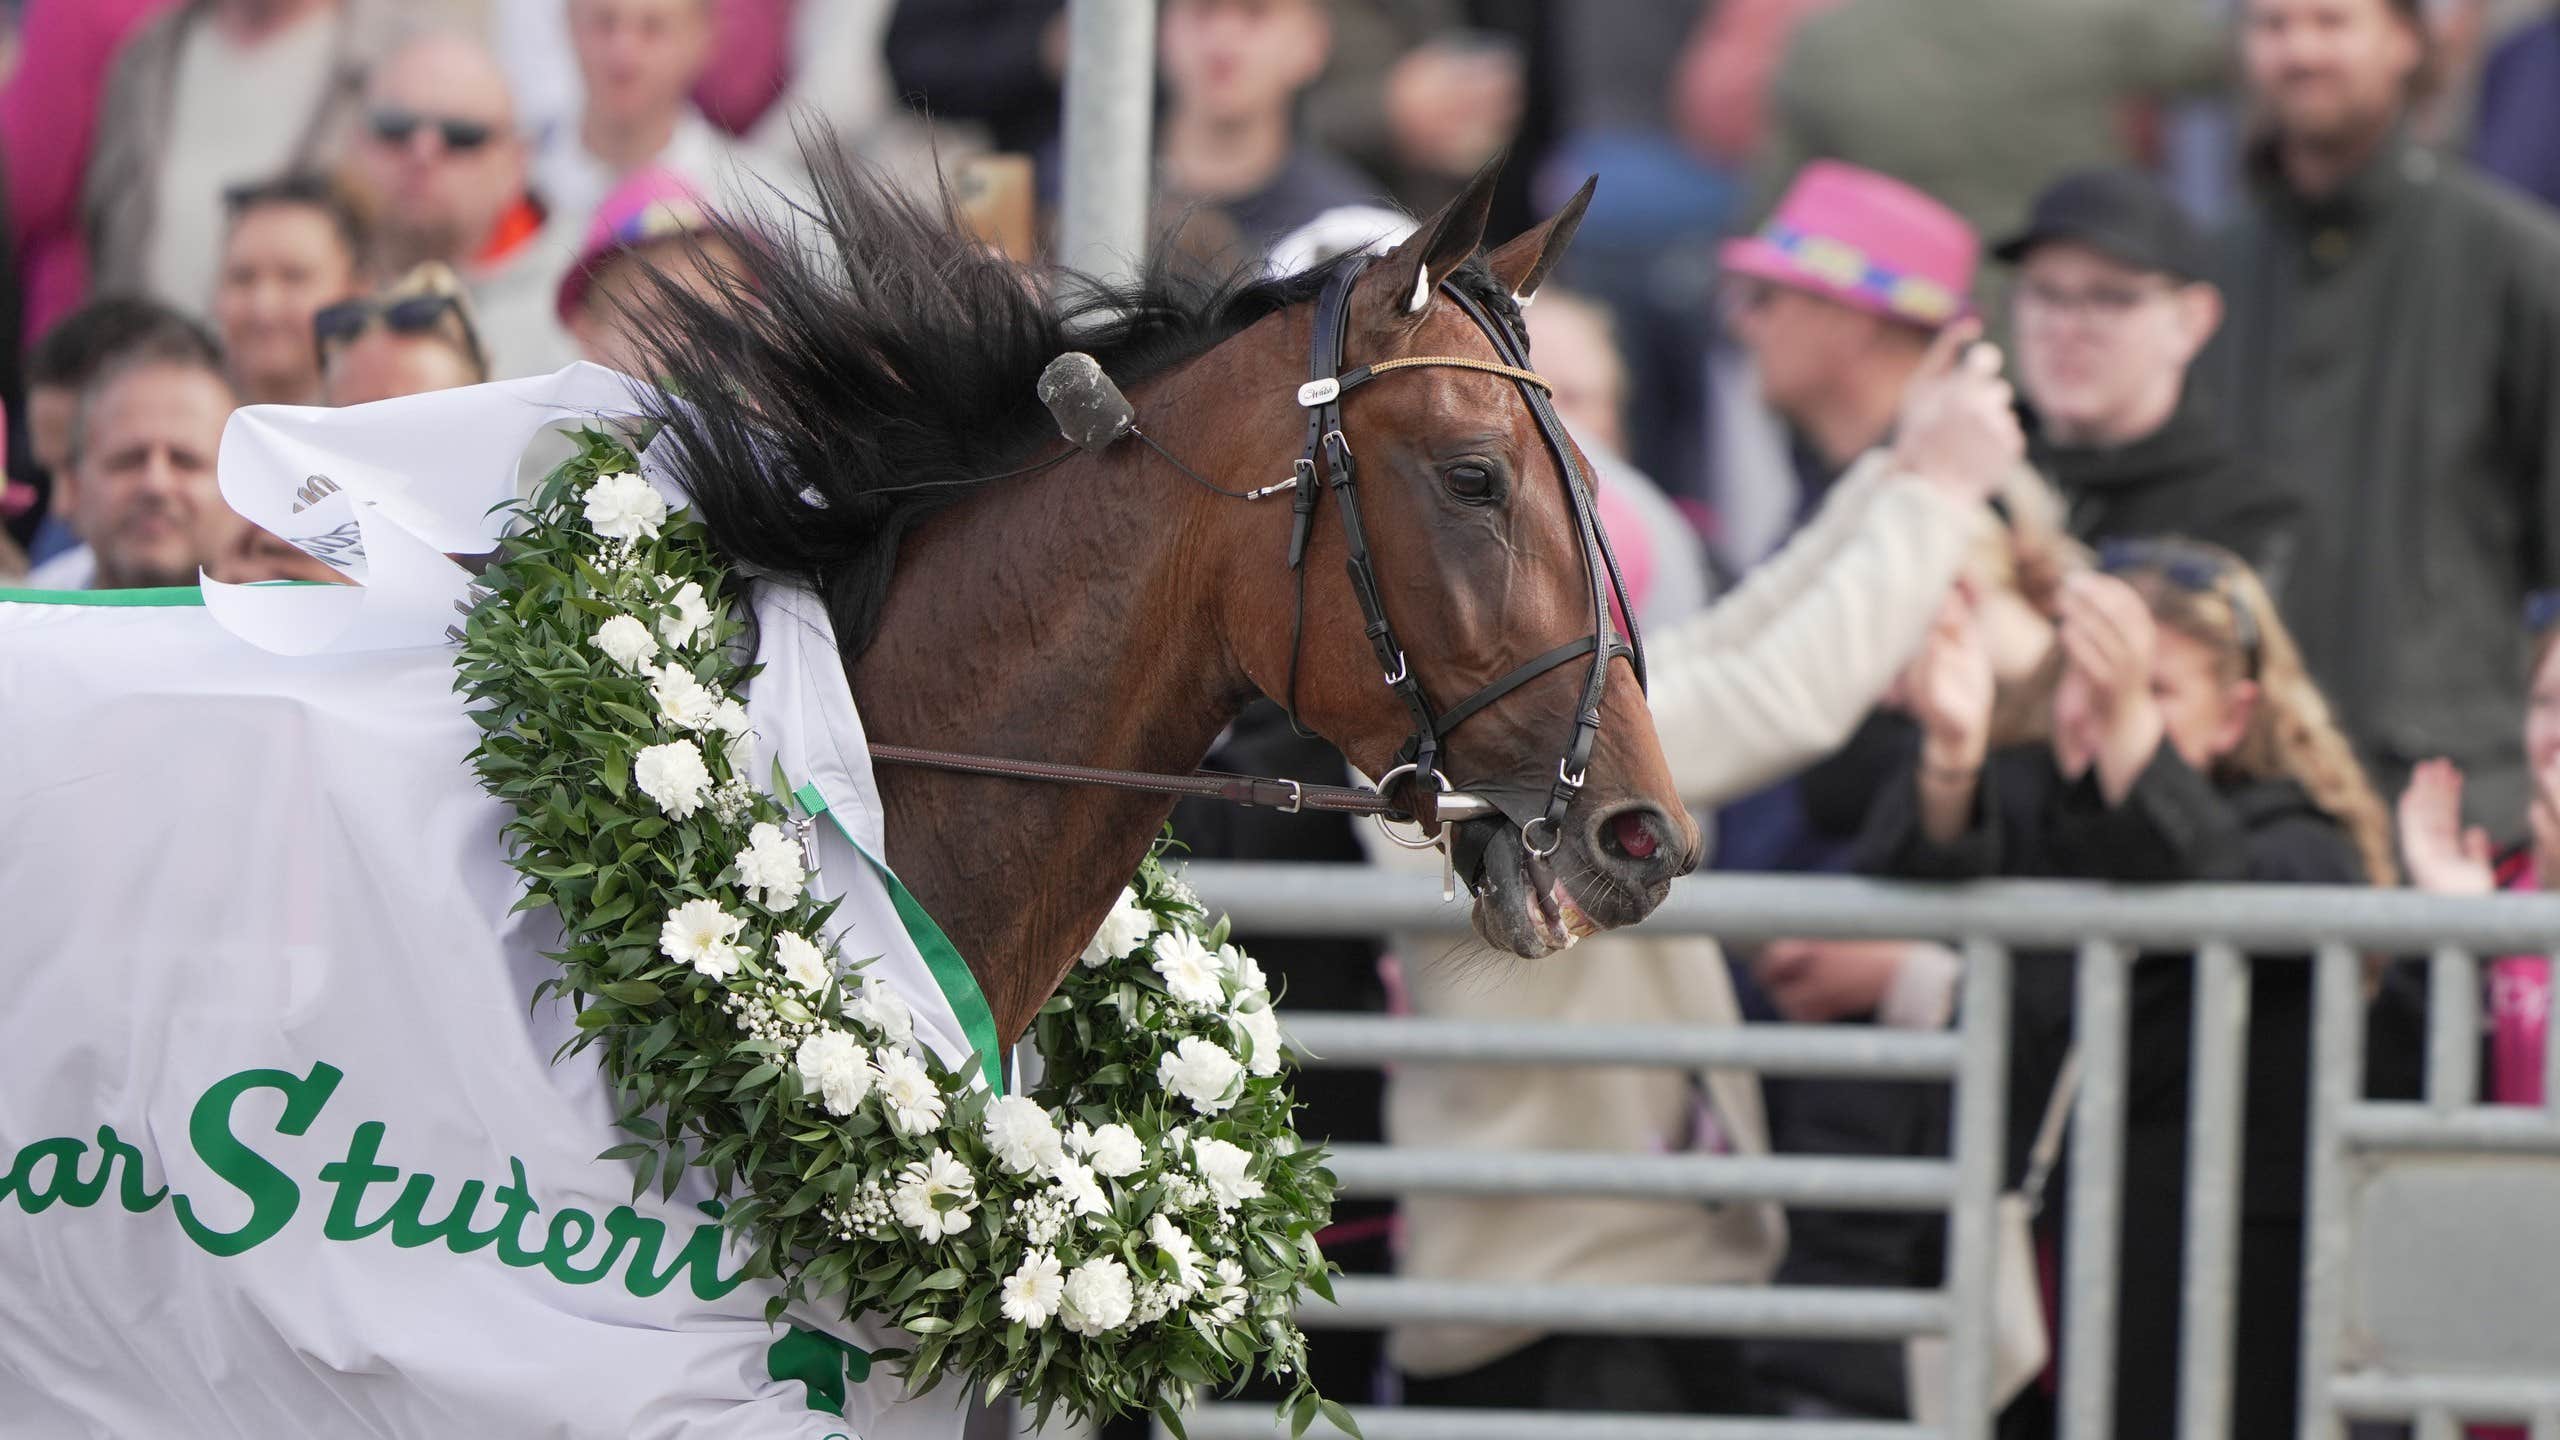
1327, 465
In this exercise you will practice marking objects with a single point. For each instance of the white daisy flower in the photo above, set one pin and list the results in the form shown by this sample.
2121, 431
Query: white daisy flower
1032, 1291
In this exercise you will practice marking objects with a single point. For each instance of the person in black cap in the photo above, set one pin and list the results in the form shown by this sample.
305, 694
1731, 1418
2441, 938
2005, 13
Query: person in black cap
2109, 310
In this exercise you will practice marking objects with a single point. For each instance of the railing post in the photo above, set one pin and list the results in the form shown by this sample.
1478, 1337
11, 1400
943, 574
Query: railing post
1981, 1147
1109, 140
2213, 1191
2096, 1199
2337, 1070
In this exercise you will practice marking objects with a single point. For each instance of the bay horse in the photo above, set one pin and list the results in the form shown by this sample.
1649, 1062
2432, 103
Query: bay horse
844, 403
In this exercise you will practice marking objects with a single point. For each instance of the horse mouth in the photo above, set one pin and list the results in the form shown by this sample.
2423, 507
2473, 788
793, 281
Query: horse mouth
1534, 906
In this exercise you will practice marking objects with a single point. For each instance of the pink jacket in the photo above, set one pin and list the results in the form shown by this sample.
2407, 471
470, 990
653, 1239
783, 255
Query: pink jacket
48, 117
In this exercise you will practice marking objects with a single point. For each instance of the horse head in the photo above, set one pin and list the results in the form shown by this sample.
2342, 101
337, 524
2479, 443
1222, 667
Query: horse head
1472, 529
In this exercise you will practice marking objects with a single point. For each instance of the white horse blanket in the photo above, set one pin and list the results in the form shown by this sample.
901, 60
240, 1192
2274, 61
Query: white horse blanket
283, 1151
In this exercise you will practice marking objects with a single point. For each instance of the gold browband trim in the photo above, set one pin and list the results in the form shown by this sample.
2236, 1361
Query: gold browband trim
1464, 363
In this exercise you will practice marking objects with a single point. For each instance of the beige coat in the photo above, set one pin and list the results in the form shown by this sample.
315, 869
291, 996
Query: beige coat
1767, 680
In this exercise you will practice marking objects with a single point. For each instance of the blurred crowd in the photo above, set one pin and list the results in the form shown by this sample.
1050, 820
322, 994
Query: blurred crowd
2113, 439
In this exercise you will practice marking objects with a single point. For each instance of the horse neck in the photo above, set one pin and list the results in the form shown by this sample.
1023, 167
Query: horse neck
1066, 617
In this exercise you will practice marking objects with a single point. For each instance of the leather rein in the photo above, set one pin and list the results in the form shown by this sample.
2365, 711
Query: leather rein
1327, 464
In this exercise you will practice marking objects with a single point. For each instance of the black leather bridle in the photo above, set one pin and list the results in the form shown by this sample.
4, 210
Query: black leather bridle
1326, 464
1328, 456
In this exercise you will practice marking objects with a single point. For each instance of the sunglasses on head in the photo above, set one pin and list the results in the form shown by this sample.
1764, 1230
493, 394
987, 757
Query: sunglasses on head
409, 315
460, 136
2195, 573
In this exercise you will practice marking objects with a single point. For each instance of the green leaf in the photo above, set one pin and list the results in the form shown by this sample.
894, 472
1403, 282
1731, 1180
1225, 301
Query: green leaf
1341, 1418
631, 992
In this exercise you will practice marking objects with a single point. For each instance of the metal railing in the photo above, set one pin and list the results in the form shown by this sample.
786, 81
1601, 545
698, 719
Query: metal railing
2357, 1362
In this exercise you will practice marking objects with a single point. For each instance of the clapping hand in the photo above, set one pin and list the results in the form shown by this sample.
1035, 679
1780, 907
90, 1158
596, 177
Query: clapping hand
2445, 858
1949, 687
2108, 638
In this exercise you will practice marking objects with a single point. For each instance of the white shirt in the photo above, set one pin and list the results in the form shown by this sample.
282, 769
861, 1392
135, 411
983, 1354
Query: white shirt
236, 114
573, 182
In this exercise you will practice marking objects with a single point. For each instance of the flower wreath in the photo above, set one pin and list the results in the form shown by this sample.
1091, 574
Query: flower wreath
1136, 1228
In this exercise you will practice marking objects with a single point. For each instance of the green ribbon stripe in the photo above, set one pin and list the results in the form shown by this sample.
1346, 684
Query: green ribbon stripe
959, 986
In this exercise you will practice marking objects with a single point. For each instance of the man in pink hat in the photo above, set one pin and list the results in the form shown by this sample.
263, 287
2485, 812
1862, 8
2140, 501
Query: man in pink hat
652, 220
1837, 299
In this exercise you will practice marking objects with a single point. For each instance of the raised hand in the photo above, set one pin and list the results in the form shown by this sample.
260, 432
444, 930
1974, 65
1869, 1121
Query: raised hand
2444, 857
1959, 424
1949, 687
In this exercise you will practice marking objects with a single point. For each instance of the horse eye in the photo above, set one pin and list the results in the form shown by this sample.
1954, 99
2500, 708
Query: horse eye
1470, 482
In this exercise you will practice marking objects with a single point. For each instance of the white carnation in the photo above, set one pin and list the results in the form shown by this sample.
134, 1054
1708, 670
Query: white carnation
701, 934
802, 963
1097, 1296
673, 775
1227, 1301
1240, 965
625, 507
1123, 930
683, 702
915, 1102
1190, 971
770, 868
625, 642
1032, 1291
1261, 1027
935, 1197
1112, 1150
1023, 1136
729, 718
835, 1068
1222, 1167
885, 1011
1176, 1247
1075, 1185
1202, 1072
691, 615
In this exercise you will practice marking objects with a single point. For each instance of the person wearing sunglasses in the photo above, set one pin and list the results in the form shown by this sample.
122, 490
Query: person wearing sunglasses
414, 337
2110, 309
2188, 744
445, 168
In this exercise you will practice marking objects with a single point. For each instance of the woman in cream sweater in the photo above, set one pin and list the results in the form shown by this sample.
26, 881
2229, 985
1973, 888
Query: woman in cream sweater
1770, 678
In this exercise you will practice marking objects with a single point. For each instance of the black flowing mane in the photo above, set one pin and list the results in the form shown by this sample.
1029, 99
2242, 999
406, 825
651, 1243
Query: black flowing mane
871, 362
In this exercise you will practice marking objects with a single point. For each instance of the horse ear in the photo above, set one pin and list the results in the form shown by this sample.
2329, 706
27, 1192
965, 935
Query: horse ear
1522, 265
1444, 241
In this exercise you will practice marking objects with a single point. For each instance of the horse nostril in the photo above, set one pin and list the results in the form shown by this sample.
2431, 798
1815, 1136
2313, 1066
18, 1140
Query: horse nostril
1633, 837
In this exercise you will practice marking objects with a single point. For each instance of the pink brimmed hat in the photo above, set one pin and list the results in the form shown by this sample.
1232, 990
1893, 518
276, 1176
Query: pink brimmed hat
1866, 240
651, 203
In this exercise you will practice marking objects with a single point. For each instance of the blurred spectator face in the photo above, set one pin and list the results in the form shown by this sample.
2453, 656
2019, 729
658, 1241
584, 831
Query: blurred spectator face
2542, 713
383, 364
1242, 59
639, 58
2330, 72
142, 479
603, 329
1579, 356
239, 553
280, 264
2103, 348
1801, 344
2206, 715
440, 155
